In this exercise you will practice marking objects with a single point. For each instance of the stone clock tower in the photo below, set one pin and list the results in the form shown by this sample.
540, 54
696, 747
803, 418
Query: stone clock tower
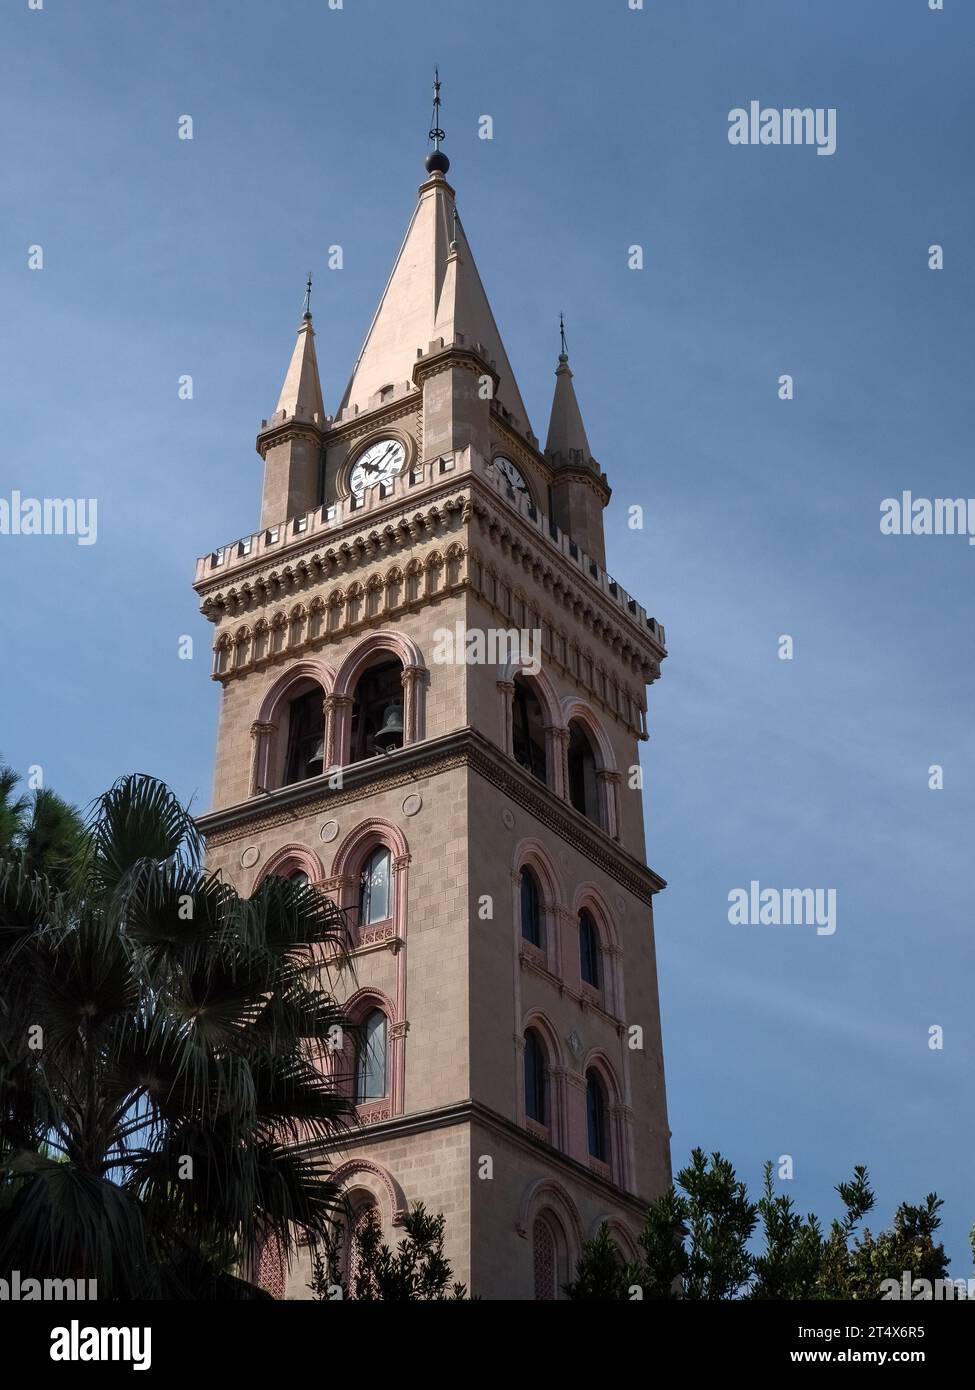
432, 697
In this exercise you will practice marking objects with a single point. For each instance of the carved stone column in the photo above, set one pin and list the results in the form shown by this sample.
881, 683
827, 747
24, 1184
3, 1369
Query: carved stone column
413, 677
557, 757
397, 1061
260, 754
612, 965
609, 801
620, 1117
338, 709
558, 1120
506, 693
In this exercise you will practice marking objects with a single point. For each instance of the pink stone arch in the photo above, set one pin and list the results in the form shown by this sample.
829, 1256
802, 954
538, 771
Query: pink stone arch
546, 1192
579, 711
289, 859
626, 1241
372, 645
266, 754
537, 1018
551, 713
365, 651
557, 1096
588, 896
574, 708
366, 836
531, 854
298, 671
540, 679
397, 1208
619, 1130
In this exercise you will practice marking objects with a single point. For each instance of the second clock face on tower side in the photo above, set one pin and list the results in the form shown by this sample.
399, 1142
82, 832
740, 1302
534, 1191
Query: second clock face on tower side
511, 475
381, 461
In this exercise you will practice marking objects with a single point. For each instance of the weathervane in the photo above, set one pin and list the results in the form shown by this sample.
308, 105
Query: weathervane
436, 134
565, 353
307, 312
437, 162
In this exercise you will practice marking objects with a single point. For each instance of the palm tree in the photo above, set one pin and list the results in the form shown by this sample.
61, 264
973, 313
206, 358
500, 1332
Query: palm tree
163, 1108
44, 832
13, 809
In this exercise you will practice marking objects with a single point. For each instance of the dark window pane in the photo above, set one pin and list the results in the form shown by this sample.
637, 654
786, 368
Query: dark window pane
306, 737
528, 730
583, 792
378, 691
371, 1059
596, 1117
588, 949
375, 896
535, 1106
531, 908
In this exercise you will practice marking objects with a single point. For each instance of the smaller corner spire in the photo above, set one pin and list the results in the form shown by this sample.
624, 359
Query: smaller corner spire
436, 161
566, 432
301, 394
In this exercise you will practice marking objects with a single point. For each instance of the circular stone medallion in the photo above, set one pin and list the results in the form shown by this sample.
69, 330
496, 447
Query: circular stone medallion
250, 857
330, 831
412, 804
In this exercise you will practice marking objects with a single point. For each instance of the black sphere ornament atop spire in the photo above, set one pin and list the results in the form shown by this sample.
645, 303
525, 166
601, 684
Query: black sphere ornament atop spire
436, 161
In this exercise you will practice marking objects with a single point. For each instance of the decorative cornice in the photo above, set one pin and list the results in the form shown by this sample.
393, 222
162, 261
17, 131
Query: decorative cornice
340, 551
454, 355
379, 417
284, 431
462, 748
471, 1112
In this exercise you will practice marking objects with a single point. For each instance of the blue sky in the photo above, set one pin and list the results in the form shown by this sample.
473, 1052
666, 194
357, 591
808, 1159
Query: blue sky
164, 257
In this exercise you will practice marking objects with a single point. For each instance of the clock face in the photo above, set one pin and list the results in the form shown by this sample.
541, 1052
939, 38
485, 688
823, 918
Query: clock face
381, 461
511, 475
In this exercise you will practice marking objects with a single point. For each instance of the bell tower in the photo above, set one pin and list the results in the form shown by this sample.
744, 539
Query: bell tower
432, 700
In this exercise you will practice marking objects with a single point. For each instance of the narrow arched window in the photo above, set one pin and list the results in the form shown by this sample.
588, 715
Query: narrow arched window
362, 1212
272, 1268
375, 888
306, 738
528, 729
536, 1107
531, 908
597, 1117
583, 788
370, 1071
545, 1261
589, 949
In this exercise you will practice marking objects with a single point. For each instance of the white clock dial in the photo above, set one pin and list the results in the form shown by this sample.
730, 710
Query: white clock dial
381, 461
511, 475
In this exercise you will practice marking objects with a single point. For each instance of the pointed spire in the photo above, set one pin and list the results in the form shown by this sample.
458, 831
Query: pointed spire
301, 394
434, 292
566, 432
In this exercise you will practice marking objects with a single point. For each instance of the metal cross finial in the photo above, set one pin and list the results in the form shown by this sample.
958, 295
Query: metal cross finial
562, 334
436, 134
307, 313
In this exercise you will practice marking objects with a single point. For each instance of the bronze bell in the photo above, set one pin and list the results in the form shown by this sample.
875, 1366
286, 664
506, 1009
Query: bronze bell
390, 736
